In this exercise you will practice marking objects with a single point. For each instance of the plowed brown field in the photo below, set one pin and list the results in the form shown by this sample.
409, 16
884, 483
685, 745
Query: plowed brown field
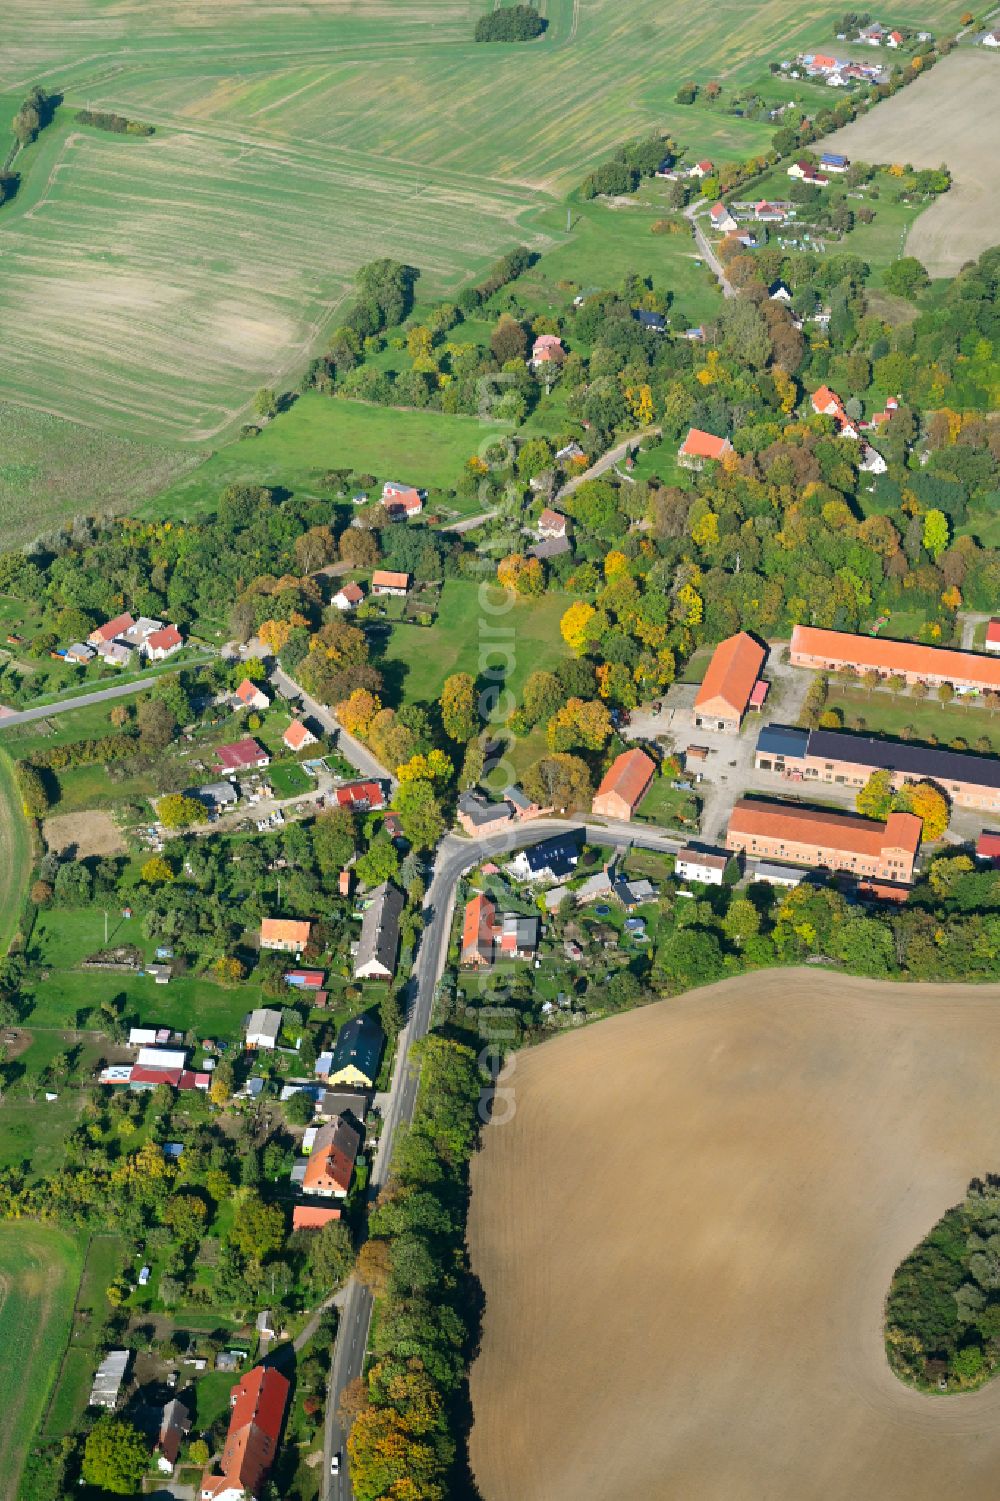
952, 116
686, 1232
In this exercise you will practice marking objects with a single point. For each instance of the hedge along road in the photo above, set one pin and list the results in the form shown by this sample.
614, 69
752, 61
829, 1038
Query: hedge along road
15, 854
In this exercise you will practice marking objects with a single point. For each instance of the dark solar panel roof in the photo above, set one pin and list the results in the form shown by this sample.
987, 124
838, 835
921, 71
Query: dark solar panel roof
912, 760
780, 740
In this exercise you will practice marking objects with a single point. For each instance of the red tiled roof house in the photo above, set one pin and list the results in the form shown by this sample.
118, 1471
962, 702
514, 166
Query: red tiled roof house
163, 643
478, 931
331, 1162
297, 736
835, 651
384, 581
251, 696
401, 501
699, 446
284, 935
624, 785
258, 1402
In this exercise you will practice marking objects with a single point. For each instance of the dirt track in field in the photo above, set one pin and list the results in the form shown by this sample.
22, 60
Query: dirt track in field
951, 116
686, 1232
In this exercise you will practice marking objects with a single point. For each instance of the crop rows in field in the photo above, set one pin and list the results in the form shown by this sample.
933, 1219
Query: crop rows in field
147, 287
155, 284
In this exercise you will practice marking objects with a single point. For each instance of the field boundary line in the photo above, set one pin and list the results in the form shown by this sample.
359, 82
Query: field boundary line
42, 1430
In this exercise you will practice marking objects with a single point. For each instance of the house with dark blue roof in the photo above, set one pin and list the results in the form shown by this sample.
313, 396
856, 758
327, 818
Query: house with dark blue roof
551, 860
653, 321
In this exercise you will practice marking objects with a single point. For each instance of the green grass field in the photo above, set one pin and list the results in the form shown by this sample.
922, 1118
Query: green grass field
468, 638
320, 433
39, 1273
173, 275
888, 714
15, 850
105, 1255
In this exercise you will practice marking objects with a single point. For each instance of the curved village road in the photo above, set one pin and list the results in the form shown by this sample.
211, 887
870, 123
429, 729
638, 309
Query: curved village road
454, 856
709, 255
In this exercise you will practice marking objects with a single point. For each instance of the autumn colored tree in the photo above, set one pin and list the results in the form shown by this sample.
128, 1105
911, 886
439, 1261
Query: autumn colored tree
559, 781
359, 547
157, 871
928, 804
573, 626
357, 712
936, 532
508, 341
388, 1460
432, 767
175, 811
579, 722
875, 798
374, 1264
460, 707
229, 971
523, 575
390, 739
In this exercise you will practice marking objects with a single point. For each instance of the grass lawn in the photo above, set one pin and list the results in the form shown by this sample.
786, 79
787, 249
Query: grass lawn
35, 1131
470, 638
667, 805
15, 842
886, 713
39, 1273
69, 1400
608, 240
51, 468
288, 779
320, 433
64, 936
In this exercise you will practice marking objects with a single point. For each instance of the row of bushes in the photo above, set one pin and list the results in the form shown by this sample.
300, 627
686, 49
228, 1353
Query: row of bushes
85, 752
120, 124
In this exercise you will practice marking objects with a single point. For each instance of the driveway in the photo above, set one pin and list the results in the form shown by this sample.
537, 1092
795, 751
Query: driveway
729, 770
606, 461
706, 251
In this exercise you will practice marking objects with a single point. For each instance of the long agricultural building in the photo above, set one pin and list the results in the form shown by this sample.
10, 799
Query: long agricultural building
846, 842
838, 651
849, 760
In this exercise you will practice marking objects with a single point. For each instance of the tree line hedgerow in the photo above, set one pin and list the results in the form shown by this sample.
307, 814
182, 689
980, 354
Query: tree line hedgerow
119, 124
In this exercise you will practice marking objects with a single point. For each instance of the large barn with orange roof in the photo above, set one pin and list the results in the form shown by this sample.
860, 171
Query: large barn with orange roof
258, 1402
799, 835
724, 696
835, 651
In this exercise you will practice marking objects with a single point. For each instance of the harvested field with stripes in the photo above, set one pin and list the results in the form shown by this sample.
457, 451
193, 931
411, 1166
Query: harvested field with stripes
148, 286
